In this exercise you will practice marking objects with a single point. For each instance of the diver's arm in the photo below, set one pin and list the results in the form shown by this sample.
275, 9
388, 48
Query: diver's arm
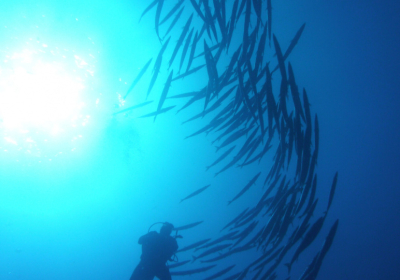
175, 246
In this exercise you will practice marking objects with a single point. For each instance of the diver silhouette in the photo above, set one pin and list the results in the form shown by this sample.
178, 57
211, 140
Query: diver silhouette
157, 249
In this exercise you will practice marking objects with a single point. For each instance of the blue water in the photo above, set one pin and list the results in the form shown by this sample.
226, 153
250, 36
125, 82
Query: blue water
73, 205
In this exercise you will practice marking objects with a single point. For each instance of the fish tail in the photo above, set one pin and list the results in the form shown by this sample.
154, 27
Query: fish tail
289, 266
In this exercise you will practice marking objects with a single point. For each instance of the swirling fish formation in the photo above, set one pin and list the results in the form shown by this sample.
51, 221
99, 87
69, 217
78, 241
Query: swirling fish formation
247, 118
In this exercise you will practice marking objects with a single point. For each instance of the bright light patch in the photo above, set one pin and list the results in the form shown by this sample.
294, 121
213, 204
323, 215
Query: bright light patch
42, 95
44, 100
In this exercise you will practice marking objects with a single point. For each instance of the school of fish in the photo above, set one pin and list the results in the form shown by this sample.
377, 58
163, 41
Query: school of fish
248, 121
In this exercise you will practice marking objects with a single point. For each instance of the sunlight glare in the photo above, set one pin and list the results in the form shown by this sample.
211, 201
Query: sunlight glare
43, 100
42, 94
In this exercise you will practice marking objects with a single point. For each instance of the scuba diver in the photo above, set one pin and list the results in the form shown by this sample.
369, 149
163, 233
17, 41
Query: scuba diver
157, 249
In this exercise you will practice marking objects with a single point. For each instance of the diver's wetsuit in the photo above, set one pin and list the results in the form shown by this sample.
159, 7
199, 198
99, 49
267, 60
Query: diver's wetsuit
157, 249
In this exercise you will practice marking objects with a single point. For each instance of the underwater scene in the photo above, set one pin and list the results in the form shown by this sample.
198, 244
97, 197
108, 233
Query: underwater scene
199, 139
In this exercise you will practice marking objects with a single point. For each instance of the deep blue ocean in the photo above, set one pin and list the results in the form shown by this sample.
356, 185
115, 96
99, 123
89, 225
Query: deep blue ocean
79, 184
